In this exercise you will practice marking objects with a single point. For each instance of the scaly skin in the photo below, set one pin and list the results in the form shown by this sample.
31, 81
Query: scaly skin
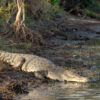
33, 63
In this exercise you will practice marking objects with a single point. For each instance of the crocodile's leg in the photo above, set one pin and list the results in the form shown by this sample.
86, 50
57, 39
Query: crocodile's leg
18, 62
41, 74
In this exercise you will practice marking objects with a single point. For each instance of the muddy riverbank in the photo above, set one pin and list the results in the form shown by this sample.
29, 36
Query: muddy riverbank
67, 46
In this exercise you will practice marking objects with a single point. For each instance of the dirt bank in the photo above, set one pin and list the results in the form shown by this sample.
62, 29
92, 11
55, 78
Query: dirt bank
59, 50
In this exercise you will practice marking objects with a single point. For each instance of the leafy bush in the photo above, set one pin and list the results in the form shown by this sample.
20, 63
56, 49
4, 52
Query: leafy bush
81, 7
5, 11
55, 2
89, 12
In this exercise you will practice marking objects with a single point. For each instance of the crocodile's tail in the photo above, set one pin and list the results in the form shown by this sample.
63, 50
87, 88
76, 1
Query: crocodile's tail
12, 59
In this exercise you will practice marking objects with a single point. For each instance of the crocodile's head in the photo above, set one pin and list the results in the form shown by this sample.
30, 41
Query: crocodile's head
70, 76
66, 75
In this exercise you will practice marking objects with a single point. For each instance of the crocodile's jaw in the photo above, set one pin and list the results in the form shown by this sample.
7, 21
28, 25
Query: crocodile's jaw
76, 79
54, 76
69, 76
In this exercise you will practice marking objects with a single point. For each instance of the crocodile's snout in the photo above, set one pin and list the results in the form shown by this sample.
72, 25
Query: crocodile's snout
70, 76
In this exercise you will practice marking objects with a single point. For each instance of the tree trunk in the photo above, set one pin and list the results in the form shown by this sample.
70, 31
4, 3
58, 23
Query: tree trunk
20, 31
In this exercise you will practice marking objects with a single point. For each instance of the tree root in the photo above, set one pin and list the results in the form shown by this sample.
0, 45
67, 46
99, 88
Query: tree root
19, 31
24, 34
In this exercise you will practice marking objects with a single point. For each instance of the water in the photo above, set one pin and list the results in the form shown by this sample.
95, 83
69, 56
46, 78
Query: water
61, 91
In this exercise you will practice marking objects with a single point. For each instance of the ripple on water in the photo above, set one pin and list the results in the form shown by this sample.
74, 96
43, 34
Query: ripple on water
96, 97
62, 92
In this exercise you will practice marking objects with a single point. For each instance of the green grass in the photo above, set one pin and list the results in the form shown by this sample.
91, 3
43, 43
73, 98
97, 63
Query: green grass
20, 47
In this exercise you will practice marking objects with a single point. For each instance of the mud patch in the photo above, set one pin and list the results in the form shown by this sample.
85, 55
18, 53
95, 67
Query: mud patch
14, 82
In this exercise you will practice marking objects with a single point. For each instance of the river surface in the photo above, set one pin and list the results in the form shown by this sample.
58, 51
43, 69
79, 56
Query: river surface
61, 91
90, 55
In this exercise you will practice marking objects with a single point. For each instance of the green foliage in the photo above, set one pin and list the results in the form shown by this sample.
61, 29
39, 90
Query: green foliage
28, 45
90, 13
3, 14
89, 7
88, 2
51, 7
5, 11
28, 20
24, 4
93, 9
55, 2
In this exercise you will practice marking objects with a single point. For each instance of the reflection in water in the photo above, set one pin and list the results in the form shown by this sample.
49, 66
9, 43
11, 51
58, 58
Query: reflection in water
61, 91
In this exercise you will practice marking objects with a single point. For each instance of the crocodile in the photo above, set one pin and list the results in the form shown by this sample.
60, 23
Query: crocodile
42, 67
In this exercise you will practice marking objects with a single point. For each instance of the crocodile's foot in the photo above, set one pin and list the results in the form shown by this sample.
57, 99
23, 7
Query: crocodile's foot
41, 74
